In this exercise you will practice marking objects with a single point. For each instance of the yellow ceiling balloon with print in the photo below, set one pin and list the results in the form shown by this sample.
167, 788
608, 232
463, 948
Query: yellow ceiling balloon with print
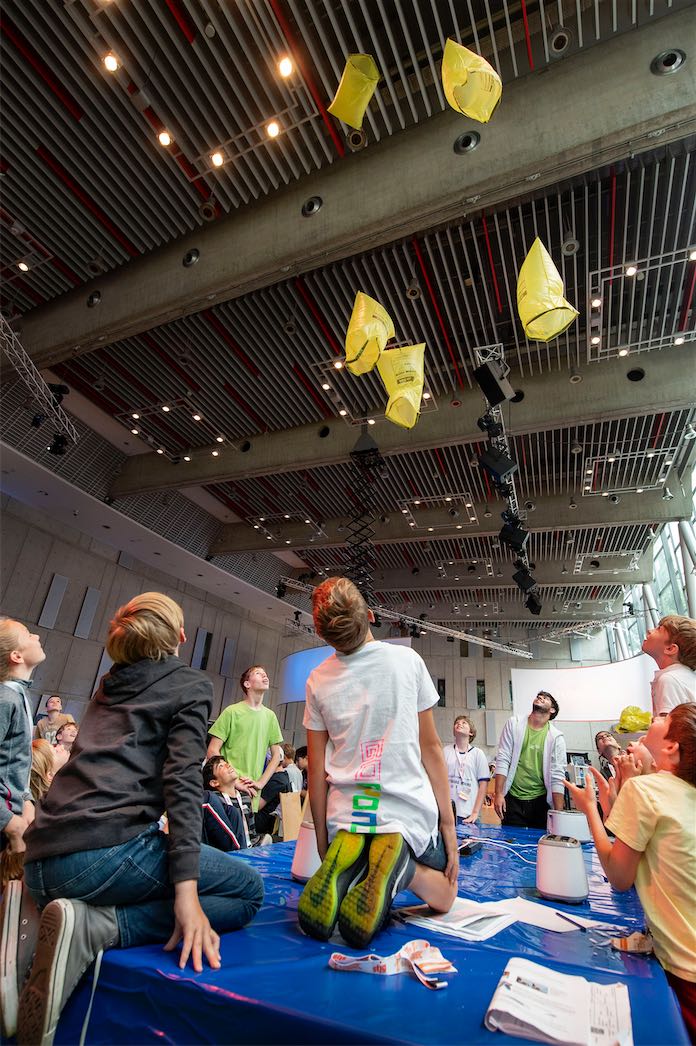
402, 372
541, 304
358, 83
472, 86
369, 330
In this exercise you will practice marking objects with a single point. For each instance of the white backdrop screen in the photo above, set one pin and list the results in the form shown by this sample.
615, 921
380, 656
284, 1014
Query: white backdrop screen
598, 693
296, 668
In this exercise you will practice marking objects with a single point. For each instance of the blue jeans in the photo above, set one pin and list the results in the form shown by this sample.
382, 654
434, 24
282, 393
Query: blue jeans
134, 877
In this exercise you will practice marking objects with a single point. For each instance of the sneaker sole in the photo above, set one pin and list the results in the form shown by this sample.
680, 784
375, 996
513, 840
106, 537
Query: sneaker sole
40, 1004
9, 942
364, 908
322, 896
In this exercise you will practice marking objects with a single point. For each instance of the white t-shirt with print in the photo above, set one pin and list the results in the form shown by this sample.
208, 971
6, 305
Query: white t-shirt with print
672, 686
465, 771
369, 702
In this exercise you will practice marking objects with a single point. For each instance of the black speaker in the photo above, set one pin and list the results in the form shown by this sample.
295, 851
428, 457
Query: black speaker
513, 537
523, 579
493, 385
497, 464
533, 604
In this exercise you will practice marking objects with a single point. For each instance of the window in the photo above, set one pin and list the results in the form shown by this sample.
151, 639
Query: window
463, 648
481, 693
441, 692
201, 648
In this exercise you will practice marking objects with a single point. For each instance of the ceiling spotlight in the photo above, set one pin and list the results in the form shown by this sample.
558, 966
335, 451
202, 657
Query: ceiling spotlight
692, 255
285, 66
564, 569
219, 439
596, 303
135, 432
160, 450
487, 512
196, 417
575, 376
343, 412
572, 504
135, 417
623, 352
631, 270
273, 129
217, 159
690, 432
111, 62
370, 421
23, 267
187, 457
166, 409
639, 490
426, 395
575, 447
667, 495
679, 340
164, 138
595, 339
338, 365
58, 445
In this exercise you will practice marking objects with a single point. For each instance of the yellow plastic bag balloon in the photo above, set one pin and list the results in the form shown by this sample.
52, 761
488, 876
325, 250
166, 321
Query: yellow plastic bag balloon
471, 84
402, 372
633, 720
369, 330
543, 310
358, 83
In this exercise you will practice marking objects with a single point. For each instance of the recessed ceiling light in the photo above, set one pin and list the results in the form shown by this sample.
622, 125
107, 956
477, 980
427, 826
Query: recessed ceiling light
370, 421
605, 493
325, 386
417, 501
692, 256
426, 395
166, 409
160, 450
623, 352
405, 511
631, 270
196, 417
285, 66
338, 365
431, 529
679, 340
589, 472
135, 417
308, 521
459, 526
595, 339
411, 523
650, 454
187, 457
343, 412
596, 303
287, 541
111, 62
220, 439
668, 462
215, 453
639, 490
273, 129
611, 459
135, 431
217, 159
22, 266
262, 519
286, 516
164, 138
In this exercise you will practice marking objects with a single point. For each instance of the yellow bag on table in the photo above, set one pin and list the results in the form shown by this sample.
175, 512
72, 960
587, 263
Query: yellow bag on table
633, 720
358, 83
369, 330
402, 372
542, 308
472, 86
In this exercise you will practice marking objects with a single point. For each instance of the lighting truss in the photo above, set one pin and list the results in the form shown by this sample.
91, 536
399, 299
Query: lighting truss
30, 376
393, 615
628, 472
496, 354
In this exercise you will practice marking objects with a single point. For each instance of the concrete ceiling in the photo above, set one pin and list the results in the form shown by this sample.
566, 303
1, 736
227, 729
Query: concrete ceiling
588, 150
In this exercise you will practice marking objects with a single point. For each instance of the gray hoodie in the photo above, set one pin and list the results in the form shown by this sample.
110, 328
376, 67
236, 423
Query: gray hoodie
15, 751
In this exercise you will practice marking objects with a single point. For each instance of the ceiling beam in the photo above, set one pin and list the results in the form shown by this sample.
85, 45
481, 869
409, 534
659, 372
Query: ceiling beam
550, 402
493, 613
457, 577
535, 139
552, 513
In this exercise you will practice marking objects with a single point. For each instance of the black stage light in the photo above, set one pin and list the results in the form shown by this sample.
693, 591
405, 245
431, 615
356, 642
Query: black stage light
497, 464
58, 392
533, 604
297, 614
281, 589
523, 579
59, 445
377, 623
505, 490
450, 639
490, 426
38, 420
495, 387
513, 537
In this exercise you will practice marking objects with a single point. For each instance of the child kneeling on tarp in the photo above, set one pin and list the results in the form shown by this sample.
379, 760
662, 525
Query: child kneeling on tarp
377, 777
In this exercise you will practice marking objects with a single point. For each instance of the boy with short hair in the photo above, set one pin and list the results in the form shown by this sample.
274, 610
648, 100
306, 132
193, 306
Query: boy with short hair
291, 769
672, 645
49, 724
467, 769
244, 731
377, 777
227, 820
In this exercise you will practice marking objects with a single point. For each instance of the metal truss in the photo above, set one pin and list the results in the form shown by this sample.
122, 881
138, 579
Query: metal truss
40, 392
392, 615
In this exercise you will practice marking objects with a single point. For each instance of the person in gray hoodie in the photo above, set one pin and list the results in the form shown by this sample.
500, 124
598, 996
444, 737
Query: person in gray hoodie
97, 864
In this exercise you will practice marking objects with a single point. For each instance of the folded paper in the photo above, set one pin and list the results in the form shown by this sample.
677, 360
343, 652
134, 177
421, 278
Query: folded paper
402, 372
369, 330
542, 308
358, 83
472, 86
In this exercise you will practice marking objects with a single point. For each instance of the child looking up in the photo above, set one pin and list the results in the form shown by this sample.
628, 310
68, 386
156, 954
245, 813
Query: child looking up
377, 777
654, 821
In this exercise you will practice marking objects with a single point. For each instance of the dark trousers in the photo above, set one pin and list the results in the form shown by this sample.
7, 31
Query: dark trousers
525, 813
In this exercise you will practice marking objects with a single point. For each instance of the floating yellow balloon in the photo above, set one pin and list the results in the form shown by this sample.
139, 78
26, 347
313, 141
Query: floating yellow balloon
471, 84
402, 372
369, 330
543, 310
358, 83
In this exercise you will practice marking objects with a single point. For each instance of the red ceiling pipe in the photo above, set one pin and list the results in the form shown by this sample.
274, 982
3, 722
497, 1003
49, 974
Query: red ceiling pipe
242, 403
314, 309
324, 410
658, 425
182, 20
306, 75
612, 226
440, 462
172, 364
527, 37
433, 299
79, 194
10, 30
36, 245
220, 495
688, 298
213, 321
496, 288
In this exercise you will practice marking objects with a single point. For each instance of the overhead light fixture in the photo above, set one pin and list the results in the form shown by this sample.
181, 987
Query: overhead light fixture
111, 62
164, 138
135, 417
426, 395
217, 159
639, 490
679, 340
219, 439
285, 67
58, 445
667, 495
273, 129
623, 352
343, 412
160, 450
596, 303
338, 365
22, 266
595, 339
575, 447
215, 453
487, 512
370, 421
325, 386
187, 457
136, 432
196, 417
692, 255
166, 409
575, 377
564, 569
690, 432
572, 504
631, 270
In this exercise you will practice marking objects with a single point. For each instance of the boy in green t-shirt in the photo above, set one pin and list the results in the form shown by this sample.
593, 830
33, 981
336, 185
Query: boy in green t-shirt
243, 732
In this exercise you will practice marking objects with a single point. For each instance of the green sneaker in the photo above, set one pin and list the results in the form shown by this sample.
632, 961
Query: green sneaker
366, 907
345, 862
